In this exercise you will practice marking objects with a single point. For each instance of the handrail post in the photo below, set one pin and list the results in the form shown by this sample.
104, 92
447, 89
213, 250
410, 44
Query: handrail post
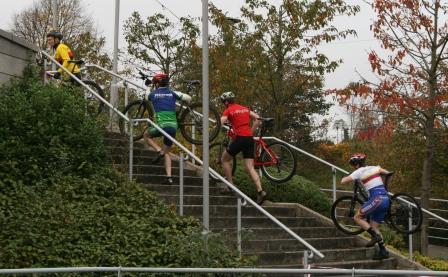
410, 235
238, 223
333, 170
131, 148
305, 261
45, 71
181, 183
126, 93
193, 136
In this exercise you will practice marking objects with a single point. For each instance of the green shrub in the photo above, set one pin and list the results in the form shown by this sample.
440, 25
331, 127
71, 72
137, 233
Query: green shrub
62, 206
392, 237
46, 134
297, 190
438, 264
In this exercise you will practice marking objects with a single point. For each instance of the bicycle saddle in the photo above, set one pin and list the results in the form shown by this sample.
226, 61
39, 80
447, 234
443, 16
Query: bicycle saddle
192, 82
266, 119
77, 62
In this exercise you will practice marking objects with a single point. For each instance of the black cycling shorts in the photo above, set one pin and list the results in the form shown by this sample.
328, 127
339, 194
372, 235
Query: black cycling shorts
242, 144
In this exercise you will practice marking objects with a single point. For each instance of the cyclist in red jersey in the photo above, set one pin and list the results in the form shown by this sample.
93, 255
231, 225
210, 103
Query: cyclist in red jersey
239, 117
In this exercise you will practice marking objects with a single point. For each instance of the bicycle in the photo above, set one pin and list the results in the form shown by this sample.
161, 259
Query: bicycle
93, 105
400, 215
189, 116
276, 159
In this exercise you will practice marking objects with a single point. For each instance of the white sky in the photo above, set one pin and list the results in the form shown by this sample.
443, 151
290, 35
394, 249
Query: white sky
353, 51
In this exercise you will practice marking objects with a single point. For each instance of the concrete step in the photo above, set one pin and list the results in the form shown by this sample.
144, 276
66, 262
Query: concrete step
390, 263
159, 179
231, 210
258, 221
138, 151
114, 142
123, 159
188, 190
279, 233
154, 169
294, 257
291, 244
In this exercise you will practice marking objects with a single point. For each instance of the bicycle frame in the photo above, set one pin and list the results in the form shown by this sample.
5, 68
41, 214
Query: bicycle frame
260, 145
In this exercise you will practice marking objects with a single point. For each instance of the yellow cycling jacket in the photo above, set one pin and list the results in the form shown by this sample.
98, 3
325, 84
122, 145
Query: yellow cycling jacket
63, 55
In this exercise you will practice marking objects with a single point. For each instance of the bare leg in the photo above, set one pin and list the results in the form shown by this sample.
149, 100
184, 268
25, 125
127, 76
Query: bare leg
361, 222
167, 157
151, 142
225, 160
249, 166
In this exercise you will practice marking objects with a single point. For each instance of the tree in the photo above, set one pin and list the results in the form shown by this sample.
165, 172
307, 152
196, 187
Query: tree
412, 91
158, 43
291, 80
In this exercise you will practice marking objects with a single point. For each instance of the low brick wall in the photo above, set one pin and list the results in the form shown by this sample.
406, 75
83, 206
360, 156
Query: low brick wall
15, 54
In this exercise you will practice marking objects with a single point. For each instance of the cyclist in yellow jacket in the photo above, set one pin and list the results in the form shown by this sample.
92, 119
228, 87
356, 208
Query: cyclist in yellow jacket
63, 54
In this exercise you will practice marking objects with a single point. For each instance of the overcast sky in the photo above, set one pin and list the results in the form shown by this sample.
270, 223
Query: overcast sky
353, 51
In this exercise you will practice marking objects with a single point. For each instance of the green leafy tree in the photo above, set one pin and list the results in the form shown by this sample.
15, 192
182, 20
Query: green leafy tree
157, 43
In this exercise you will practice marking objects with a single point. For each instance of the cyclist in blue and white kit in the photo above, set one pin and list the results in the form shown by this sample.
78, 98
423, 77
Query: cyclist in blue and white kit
376, 207
164, 102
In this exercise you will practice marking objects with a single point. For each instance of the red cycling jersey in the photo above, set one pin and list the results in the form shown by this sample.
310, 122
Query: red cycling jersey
239, 117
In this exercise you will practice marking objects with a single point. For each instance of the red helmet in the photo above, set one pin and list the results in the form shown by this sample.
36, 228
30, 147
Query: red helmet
160, 78
357, 159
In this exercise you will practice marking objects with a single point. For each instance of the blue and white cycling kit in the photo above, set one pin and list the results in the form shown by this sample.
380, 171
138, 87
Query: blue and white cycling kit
376, 207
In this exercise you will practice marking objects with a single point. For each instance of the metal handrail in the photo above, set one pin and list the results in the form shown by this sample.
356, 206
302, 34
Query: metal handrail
84, 85
119, 270
241, 194
234, 188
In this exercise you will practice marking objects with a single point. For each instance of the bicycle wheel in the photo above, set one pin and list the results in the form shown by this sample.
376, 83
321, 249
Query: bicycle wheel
278, 162
94, 105
190, 123
405, 214
216, 150
138, 109
342, 213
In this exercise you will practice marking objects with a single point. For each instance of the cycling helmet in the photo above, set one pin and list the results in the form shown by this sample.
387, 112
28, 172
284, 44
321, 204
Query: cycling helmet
55, 34
357, 159
160, 78
227, 96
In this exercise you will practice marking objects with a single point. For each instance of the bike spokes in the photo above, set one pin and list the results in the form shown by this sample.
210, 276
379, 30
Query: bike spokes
278, 162
191, 125
405, 214
342, 213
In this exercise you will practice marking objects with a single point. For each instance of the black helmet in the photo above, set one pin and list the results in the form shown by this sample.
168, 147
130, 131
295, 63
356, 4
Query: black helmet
357, 159
55, 34
227, 96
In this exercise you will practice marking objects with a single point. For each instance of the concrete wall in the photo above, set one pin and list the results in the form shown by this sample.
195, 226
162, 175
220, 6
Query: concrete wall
15, 54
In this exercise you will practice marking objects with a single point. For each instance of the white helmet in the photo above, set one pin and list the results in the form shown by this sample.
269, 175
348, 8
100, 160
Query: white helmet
227, 96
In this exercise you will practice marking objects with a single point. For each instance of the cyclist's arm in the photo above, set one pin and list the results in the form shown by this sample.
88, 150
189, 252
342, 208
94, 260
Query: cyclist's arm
256, 122
347, 180
224, 119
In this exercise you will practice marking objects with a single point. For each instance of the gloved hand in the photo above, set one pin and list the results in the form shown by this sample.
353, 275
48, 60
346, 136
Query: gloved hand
57, 75
148, 82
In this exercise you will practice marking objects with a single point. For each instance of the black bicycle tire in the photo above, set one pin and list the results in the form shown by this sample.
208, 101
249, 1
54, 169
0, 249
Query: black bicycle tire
98, 90
146, 105
217, 144
214, 115
293, 171
419, 209
334, 219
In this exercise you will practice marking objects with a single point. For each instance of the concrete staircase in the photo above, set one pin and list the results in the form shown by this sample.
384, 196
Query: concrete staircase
261, 237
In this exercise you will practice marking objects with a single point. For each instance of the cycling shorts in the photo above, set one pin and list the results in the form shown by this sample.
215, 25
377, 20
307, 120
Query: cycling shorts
242, 144
154, 133
375, 208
